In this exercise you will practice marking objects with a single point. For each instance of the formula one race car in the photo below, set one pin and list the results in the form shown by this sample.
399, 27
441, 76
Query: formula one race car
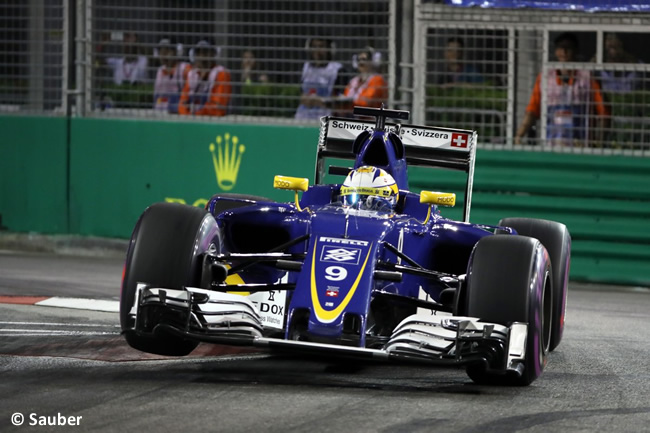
365, 269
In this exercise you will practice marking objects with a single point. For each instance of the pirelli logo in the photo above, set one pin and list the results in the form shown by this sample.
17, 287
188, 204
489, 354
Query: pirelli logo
343, 241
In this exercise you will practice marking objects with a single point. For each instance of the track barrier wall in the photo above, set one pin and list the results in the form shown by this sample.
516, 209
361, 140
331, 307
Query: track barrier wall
33, 174
94, 177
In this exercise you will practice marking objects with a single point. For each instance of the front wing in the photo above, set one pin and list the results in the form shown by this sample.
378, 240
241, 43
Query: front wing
231, 319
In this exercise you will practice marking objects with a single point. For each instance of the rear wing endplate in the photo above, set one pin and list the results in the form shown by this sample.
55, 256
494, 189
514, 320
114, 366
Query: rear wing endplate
424, 146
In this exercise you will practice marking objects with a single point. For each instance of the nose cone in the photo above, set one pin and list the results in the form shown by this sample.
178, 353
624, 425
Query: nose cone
336, 281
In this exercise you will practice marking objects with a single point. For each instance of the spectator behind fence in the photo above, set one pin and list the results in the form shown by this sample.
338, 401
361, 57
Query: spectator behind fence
321, 78
572, 96
619, 81
250, 72
254, 90
131, 68
170, 77
367, 89
208, 89
458, 72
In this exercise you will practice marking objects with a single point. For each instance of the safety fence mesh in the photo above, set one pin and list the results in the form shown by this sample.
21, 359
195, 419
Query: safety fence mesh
245, 61
260, 48
31, 55
576, 82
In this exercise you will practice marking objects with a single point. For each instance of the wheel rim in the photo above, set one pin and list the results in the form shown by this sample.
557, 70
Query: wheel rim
547, 318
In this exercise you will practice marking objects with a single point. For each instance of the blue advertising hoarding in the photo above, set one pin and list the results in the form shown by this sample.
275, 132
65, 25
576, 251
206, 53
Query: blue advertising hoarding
575, 5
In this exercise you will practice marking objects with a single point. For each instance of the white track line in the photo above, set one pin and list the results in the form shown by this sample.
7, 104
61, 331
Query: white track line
82, 304
44, 329
93, 325
43, 332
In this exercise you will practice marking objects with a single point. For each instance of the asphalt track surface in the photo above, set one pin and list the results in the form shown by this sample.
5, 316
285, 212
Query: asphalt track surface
61, 365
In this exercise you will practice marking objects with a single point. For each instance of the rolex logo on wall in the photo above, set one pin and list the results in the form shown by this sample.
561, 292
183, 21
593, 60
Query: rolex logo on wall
226, 157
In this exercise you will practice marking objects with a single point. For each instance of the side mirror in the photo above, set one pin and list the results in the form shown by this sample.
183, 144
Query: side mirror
437, 198
293, 184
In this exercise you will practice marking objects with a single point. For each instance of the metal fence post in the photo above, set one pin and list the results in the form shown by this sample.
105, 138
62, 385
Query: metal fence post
510, 79
36, 52
543, 88
79, 57
419, 66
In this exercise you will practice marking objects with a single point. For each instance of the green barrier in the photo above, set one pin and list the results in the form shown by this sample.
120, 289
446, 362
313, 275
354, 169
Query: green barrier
119, 167
33, 174
601, 199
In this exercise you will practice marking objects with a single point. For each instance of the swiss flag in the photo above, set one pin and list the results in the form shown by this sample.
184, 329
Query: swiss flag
459, 140
332, 293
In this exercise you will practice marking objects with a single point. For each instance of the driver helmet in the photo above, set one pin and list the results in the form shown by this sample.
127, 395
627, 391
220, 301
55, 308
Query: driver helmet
370, 188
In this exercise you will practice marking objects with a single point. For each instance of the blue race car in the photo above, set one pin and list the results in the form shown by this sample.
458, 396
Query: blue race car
365, 269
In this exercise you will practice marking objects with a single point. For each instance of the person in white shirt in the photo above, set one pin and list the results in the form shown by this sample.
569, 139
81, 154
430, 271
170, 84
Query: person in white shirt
170, 77
321, 80
131, 68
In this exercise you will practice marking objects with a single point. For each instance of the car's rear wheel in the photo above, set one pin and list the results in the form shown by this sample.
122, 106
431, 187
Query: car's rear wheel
165, 251
509, 280
555, 237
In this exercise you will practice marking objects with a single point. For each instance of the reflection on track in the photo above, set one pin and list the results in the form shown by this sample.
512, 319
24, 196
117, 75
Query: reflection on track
71, 333
39, 329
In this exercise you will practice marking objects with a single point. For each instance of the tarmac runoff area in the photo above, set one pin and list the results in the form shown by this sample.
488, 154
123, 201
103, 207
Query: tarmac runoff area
66, 245
87, 246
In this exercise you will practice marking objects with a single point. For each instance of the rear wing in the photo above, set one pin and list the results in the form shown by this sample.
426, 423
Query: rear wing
423, 146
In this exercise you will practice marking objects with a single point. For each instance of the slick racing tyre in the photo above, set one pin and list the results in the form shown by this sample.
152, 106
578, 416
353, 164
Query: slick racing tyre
555, 237
509, 280
165, 251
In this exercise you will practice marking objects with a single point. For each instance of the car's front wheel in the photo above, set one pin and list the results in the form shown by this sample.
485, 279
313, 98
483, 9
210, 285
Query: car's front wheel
165, 251
508, 281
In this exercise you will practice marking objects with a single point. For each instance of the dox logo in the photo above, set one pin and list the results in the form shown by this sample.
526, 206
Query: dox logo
340, 255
